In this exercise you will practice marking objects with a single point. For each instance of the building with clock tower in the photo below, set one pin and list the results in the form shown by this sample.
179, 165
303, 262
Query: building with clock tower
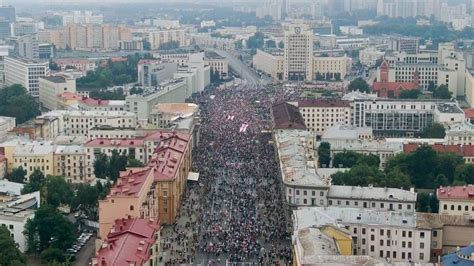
298, 52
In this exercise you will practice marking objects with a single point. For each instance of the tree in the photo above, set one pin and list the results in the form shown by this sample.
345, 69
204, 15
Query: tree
53, 66
396, 179
422, 164
431, 86
359, 84
9, 253
410, 94
169, 45
270, 44
446, 167
426, 202
464, 174
434, 131
442, 92
256, 41
281, 45
18, 175
136, 90
101, 165
51, 255
16, 102
324, 154
36, 182
47, 229
134, 163
58, 191
345, 159
117, 163
86, 199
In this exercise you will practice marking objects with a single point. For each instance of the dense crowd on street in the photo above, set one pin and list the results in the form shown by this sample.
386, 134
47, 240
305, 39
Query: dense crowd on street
236, 212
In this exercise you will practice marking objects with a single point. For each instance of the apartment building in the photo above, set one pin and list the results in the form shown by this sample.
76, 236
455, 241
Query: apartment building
171, 161
133, 195
320, 114
130, 241
298, 53
52, 86
91, 37
163, 114
34, 155
26, 73
82, 65
160, 37
389, 235
207, 40
458, 200
70, 162
6, 124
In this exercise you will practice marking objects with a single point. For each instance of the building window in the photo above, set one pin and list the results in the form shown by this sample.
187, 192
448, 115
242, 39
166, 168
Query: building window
131, 207
363, 231
422, 256
381, 242
422, 245
445, 207
297, 192
372, 248
422, 235
381, 254
435, 233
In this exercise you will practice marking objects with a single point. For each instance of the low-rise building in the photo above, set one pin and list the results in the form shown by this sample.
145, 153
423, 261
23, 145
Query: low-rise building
389, 235
457, 200
14, 215
133, 195
52, 86
163, 114
462, 256
90, 104
461, 134
270, 62
402, 118
6, 125
320, 114
375, 198
83, 65
287, 116
302, 185
172, 91
131, 241
369, 56
9, 190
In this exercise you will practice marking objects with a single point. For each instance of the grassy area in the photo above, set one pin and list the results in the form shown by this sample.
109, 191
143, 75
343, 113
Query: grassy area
317, 93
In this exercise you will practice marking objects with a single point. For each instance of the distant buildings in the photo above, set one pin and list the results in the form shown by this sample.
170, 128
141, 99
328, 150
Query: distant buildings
159, 37
153, 72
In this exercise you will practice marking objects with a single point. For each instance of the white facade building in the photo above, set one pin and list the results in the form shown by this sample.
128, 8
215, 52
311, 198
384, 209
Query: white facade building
52, 86
25, 73
298, 53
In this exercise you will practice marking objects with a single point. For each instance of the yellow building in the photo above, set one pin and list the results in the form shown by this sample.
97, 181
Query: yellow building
343, 238
270, 62
330, 67
457, 200
34, 155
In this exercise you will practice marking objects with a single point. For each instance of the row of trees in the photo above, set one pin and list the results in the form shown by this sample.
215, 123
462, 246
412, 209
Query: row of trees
16, 102
423, 169
110, 166
440, 92
112, 73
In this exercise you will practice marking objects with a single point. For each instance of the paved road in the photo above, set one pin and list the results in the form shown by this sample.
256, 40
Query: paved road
242, 69
86, 253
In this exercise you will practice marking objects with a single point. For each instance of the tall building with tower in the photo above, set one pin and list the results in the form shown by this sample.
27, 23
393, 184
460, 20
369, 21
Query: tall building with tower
298, 52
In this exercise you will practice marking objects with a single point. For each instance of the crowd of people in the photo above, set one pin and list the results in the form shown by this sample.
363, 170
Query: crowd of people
236, 212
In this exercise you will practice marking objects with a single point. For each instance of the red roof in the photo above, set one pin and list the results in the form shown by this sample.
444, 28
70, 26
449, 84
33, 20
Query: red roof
287, 116
128, 243
461, 150
459, 192
95, 102
382, 88
148, 61
130, 182
469, 113
115, 143
69, 96
323, 102
169, 155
